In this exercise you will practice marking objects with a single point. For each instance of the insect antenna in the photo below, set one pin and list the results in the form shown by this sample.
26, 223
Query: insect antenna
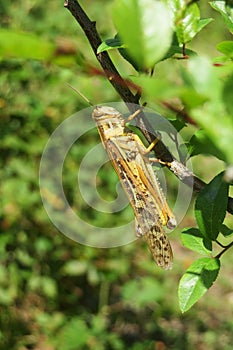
80, 94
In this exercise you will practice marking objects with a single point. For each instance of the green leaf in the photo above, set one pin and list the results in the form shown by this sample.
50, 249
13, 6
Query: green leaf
126, 55
116, 43
194, 240
225, 11
226, 231
212, 115
24, 45
226, 47
203, 22
192, 98
158, 89
187, 20
110, 44
201, 76
210, 207
144, 26
177, 124
196, 281
201, 144
218, 129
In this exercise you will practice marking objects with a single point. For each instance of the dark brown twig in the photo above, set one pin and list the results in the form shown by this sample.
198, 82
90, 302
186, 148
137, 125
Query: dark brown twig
224, 250
89, 28
120, 85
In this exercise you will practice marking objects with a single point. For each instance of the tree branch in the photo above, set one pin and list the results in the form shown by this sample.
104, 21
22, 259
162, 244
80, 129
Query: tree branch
122, 88
89, 28
224, 250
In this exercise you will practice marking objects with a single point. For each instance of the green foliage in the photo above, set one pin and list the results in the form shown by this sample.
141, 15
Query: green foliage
55, 293
193, 239
116, 43
206, 80
135, 24
196, 281
142, 43
201, 144
186, 17
226, 47
34, 47
210, 211
210, 208
141, 292
31, 46
225, 9
77, 334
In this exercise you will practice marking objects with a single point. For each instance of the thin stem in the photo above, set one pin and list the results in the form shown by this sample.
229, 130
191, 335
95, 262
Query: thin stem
224, 250
220, 244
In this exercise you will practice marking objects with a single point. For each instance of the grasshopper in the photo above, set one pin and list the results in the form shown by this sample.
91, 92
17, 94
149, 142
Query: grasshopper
128, 155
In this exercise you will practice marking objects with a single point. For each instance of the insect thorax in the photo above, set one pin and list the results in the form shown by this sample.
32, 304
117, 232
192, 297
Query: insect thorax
110, 126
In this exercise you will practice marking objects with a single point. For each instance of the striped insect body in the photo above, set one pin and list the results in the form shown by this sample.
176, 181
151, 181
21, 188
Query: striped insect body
129, 157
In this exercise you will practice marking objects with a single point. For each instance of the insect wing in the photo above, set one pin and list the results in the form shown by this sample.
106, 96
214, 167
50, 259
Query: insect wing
151, 182
148, 220
159, 245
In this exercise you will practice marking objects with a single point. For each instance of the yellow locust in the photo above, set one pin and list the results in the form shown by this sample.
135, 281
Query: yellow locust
129, 157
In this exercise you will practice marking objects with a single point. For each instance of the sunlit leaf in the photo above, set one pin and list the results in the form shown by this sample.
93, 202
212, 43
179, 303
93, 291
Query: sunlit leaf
145, 28
226, 12
196, 281
186, 19
226, 47
203, 22
194, 240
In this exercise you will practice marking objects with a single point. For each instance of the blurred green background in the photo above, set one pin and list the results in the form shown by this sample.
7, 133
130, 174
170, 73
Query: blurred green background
56, 293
